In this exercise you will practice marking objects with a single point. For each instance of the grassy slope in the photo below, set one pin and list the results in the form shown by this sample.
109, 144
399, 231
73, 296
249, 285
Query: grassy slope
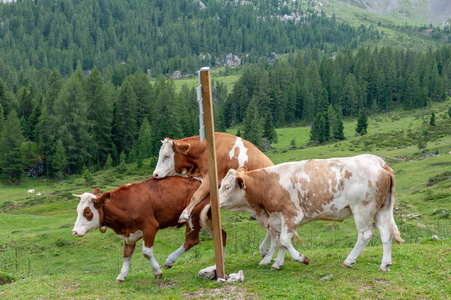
36, 243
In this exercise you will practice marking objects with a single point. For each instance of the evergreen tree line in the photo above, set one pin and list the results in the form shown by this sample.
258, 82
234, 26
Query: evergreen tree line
85, 122
312, 86
121, 38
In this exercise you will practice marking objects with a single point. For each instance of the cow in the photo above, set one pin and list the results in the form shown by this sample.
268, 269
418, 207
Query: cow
288, 195
189, 156
138, 210
30, 191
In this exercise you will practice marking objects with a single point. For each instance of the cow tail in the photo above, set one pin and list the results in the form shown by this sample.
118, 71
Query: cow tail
297, 237
393, 228
205, 219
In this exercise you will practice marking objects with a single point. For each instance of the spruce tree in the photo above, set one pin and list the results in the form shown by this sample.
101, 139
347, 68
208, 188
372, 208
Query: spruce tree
253, 131
11, 140
72, 125
362, 122
269, 131
59, 159
432, 119
145, 139
125, 125
338, 131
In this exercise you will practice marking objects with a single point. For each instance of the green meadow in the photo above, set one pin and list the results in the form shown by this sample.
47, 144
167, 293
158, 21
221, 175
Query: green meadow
40, 259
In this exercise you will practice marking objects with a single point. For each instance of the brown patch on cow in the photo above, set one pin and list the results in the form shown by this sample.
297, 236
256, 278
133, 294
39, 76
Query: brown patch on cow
266, 195
88, 214
348, 174
319, 192
383, 186
370, 184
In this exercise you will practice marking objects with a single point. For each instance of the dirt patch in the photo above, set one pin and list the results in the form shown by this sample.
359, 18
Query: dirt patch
224, 292
164, 284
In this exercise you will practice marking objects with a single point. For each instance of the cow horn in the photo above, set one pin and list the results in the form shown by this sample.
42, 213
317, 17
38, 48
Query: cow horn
102, 229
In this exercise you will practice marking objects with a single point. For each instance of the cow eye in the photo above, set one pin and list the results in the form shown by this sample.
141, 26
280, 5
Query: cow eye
227, 187
166, 156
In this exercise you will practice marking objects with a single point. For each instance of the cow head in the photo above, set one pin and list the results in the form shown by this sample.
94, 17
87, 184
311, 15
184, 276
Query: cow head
88, 218
232, 194
166, 165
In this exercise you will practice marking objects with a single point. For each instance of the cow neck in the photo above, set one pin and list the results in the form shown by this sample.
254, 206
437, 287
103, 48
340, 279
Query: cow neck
195, 156
112, 216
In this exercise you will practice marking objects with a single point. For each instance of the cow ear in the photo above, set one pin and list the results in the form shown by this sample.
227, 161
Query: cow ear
182, 148
96, 191
78, 196
240, 182
241, 169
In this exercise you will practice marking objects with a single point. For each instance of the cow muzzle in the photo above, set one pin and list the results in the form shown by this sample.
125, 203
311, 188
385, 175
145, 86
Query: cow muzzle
75, 233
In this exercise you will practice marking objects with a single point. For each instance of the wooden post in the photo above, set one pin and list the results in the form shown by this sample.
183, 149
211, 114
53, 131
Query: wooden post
212, 169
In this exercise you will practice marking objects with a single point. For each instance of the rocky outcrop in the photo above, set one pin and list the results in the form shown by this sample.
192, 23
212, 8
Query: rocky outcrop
37, 170
231, 60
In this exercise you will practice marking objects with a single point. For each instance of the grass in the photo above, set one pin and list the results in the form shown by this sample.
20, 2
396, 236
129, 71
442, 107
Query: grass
39, 258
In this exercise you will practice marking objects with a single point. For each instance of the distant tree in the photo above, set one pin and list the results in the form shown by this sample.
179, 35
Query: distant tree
432, 119
320, 131
109, 161
145, 139
125, 125
362, 122
269, 131
122, 167
11, 140
293, 143
59, 159
238, 133
449, 112
2, 118
253, 131
338, 131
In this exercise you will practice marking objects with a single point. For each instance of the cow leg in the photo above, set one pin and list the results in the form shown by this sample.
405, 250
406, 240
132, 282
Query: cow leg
265, 244
196, 198
270, 238
149, 238
279, 260
288, 229
383, 223
128, 254
191, 240
365, 233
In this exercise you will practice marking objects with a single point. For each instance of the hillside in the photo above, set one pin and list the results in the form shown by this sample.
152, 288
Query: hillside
40, 258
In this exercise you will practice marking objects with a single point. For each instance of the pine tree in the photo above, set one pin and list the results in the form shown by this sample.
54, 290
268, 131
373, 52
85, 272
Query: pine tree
71, 122
100, 125
2, 118
253, 131
59, 159
338, 131
320, 131
269, 131
362, 122
125, 125
109, 161
432, 119
11, 140
145, 139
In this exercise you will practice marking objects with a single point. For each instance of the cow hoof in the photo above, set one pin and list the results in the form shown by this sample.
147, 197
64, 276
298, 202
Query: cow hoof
119, 280
386, 270
158, 276
167, 267
345, 266
183, 220
306, 261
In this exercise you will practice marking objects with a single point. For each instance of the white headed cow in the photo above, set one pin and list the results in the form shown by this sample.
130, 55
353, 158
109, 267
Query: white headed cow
288, 195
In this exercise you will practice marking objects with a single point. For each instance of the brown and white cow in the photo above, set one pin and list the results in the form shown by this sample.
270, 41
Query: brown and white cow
287, 195
139, 210
189, 156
